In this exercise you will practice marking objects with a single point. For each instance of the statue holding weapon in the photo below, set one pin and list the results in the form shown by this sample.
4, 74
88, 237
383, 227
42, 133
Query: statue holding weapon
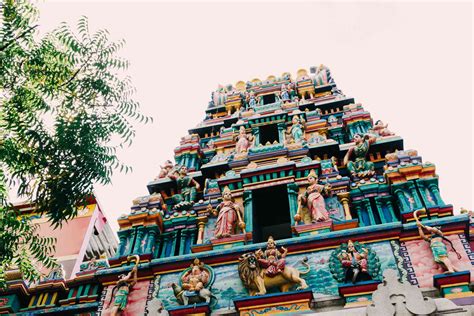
438, 248
122, 289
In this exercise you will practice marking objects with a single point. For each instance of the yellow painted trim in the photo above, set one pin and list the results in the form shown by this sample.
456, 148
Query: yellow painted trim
275, 304
454, 284
32, 300
459, 295
357, 304
53, 299
357, 294
45, 298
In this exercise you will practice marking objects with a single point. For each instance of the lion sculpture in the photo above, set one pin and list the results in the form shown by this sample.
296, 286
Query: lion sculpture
255, 280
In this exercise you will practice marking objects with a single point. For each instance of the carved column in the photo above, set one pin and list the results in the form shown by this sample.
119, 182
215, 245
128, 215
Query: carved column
151, 240
415, 196
281, 132
201, 223
182, 241
378, 204
138, 249
434, 189
390, 209
248, 210
344, 199
256, 133
292, 189
401, 200
370, 211
359, 214
122, 242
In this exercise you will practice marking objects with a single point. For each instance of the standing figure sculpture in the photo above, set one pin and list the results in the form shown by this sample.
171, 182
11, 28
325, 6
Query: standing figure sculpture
228, 215
122, 289
314, 200
284, 94
244, 141
360, 168
187, 186
195, 282
272, 260
438, 248
165, 170
297, 129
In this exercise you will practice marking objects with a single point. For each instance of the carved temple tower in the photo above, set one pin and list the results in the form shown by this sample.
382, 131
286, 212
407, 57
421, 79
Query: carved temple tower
290, 161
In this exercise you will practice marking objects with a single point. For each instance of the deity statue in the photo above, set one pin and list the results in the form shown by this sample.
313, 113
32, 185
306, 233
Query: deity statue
253, 101
284, 94
317, 138
352, 262
263, 270
244, 141
166, 169
297, 129
122, 289
195, 283
438, 248
381, 129
361, 168
313, 198
187, 186
228, 214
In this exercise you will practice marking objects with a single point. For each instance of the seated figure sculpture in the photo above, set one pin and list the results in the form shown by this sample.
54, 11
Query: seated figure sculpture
187, 187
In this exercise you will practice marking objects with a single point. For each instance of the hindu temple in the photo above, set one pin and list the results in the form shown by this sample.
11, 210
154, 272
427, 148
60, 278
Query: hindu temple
288, 198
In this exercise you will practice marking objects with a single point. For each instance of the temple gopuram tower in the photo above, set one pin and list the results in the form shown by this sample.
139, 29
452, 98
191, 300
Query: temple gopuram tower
289, 197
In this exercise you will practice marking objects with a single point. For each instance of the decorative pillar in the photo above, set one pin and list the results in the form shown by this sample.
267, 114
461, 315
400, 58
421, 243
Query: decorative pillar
369, 211
182, 241
344, 199
421, 187
138, 249
378, 204
281, 132
173, 242
248, 210
256, 133
151, 240
122, 242
390, 209
401, 199
434, 189
359, 214
201, 223
292, 189
415, 196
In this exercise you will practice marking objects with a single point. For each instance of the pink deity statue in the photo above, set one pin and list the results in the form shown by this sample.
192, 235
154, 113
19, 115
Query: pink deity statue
168, 165
272, 260
381, 129
244, 141
314, 200
229, 214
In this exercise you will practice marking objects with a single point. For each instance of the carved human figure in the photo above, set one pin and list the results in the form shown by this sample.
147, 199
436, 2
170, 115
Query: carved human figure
252, 100
284, 94
438, 248
244, 141
229, 214
297, 129
360, 167
165, 169
194, 281
317, 138
381, 129
314, 200
121, 291
187, 186
353, 261
272, 260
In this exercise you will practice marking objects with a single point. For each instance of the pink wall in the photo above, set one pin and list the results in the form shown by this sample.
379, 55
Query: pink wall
424, 265
136, 299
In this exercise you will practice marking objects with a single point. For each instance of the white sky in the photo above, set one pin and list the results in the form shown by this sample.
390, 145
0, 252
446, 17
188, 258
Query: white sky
409, 64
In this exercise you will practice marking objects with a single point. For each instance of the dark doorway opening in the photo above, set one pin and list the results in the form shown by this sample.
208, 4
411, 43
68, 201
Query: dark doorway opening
271, 213
269, 133
269, 98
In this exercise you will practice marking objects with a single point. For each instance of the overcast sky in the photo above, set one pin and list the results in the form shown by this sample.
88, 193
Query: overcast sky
408, 64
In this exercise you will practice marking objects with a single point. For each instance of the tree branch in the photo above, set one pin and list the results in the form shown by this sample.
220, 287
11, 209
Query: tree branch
4, 47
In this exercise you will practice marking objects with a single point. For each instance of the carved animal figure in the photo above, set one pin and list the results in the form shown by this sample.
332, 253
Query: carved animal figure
255, 280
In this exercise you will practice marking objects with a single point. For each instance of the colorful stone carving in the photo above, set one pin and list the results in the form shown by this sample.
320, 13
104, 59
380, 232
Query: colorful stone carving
297, 129
381, 129
229, 214
314, 200
165, 169
119, 298
360, 168
284, 94
194, 285
438, 248
352, 262
267, 269
244, 141
187, 187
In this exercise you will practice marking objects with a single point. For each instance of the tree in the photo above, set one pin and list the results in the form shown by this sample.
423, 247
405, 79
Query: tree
65, 108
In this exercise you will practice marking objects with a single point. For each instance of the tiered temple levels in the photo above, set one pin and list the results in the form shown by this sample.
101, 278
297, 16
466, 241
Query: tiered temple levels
289, 191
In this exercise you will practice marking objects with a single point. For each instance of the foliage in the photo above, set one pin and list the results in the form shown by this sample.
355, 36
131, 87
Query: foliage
65, 108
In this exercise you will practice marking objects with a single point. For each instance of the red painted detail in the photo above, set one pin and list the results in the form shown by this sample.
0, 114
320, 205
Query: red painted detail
358, 288
190, 310
273, 299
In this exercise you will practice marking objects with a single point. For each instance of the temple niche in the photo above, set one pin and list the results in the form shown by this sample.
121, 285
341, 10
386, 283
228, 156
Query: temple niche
284, 197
